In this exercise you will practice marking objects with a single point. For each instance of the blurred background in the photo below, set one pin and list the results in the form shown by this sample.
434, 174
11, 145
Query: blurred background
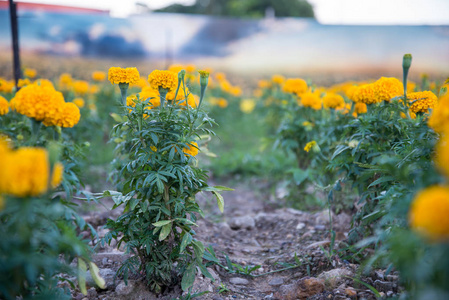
328, 41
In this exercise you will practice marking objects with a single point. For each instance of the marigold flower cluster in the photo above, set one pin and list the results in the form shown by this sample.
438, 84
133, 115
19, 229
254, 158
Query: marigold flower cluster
332, 100
65, 81
429, 211
118, 75
98, 76
23, 82
364, 94
312, 100
225, 85
4, 106
421, 102
439, 119
26, 172
295, 86
163, 79
43, 103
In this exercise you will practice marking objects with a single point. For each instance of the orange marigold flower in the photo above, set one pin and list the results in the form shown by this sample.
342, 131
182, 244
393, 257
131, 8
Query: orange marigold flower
278, 79
422, 101
65, 81
80, 87
365, 94
439, 119
118, 75
30, 73
69, 117
429, 211
4, 106
192, 149
79, 102
296, 86
163, 79
23, 82
335, 101
99, 76
387, 88
56, 177
312, 100
360, 108
442, 155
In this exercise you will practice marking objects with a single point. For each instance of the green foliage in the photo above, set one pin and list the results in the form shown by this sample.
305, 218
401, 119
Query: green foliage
159, 181
240, 8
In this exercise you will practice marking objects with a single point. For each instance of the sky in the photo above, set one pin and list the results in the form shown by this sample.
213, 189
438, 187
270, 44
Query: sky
354, 12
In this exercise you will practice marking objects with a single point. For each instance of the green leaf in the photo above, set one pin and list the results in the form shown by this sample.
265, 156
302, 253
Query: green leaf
95, 272
162, 223
381, 180
198, 247
220, 201
216, 188
166, 229
186, 221
186, 240
189, 277
205, 272
299, 175
82, 268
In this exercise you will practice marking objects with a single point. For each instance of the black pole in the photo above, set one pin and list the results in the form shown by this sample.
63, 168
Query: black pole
15, 40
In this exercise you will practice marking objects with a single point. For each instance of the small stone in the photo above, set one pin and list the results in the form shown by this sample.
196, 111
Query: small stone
380, 275
320, 227
276, 281
238, 280
390, 293
302, 289
351, 292
383, 285
122, 289
300, 226
335, 277
392, 278
323, 217
244, 222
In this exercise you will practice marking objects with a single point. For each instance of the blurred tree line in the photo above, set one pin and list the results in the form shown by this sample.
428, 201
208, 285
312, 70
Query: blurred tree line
245, 8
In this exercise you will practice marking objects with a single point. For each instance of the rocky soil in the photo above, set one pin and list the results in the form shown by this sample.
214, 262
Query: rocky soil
255, 231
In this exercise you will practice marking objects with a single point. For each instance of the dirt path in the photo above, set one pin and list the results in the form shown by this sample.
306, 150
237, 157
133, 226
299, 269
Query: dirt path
254, 231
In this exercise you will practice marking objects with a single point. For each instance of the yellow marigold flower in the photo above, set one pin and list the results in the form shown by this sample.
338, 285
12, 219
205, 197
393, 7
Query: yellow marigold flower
422, 101
69, 116
365, 94
312, 100
40, 102
296, 86
141, 83
345, 109
225, 86
429, 211
65, 81
247, 105
4, 106
222, 102
360, 108
442, 155
387, 88
56, 177
118, 75
192, 101
235, 91
99, 76
264, 84
93, 89
439, 119
25, 172
163, 79
412, 115
23, 82
309, 146
30, 73
181, 96
306, 123
44, 82
6, 86
175, 68
153, 148
278, 79
220, 76
190, 68
192, 149
80, 87
79, 102
335, 101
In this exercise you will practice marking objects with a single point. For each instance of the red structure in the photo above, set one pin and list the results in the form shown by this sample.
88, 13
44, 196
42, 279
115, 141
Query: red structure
21, 6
